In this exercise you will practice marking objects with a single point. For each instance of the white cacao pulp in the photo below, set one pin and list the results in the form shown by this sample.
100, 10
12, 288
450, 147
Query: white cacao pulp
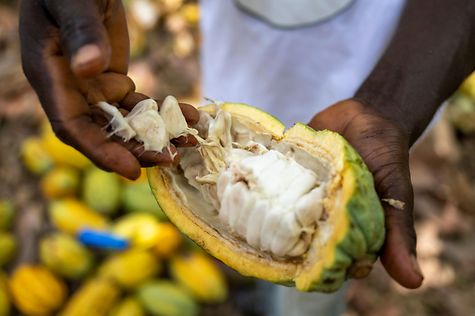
259, 190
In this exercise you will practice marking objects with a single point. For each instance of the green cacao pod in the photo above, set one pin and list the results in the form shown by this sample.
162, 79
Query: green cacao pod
137, 197
101, 190
65, 256
164, 298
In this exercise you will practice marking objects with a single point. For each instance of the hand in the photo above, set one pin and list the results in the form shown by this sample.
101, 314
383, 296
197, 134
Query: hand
74, 54
384, 146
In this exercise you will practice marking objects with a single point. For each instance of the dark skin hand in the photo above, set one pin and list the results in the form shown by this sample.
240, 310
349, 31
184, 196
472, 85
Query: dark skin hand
76, 53
385, 149
430, 55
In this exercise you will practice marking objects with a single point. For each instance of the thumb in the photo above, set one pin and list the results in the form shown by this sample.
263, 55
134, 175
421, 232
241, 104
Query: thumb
82, 34
394, 187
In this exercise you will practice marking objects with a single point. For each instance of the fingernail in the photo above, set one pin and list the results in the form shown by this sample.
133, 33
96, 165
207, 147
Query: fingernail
85, 55
416, 267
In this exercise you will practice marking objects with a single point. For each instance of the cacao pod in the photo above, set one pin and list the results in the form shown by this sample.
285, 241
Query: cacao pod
101, 190
70, 216
60, 182
168, 240
164, 298
141, 229
129, 306
138, 198
36, 291
61, 153
295, 207
130, 268
65, 256
200, 275
35, 158
96, 297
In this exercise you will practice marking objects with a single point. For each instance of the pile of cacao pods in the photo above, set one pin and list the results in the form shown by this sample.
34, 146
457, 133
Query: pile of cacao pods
106, 249
176, 19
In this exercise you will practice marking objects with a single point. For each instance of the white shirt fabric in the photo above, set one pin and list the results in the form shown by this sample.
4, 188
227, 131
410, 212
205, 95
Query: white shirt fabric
292, 73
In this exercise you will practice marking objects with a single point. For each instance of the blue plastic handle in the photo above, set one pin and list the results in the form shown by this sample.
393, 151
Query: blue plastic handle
102, 240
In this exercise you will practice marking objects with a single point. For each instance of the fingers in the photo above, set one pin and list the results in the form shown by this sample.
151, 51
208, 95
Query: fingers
82, 33
399, 251
86, 136
109, 86
387, 158
167, 157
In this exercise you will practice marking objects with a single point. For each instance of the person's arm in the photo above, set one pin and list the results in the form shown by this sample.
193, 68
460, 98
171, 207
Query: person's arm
74, 54
431, 53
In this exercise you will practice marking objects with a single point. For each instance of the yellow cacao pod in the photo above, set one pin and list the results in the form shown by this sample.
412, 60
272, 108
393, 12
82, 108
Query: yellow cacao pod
168, 240
65, 256
61, 153
130, 268
36, 291
34, 156
70, 216
96, 297
200, 275
129, 306
60, 182
141, 229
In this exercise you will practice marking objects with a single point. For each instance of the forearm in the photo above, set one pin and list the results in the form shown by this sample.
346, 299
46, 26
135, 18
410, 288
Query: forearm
431, 53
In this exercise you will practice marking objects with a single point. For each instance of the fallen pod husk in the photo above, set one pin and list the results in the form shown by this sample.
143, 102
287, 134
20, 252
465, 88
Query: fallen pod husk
295, 207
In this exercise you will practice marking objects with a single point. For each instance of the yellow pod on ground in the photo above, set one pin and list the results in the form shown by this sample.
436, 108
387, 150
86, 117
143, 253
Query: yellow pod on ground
141, 229
130, 268
168, 240
70, 216
65, 256
200, 275
129, 306
34, 156
96, 297
61, 153
36, 291
60, 182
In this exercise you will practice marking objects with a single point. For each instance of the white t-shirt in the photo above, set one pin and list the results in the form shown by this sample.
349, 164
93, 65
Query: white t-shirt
295, 72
